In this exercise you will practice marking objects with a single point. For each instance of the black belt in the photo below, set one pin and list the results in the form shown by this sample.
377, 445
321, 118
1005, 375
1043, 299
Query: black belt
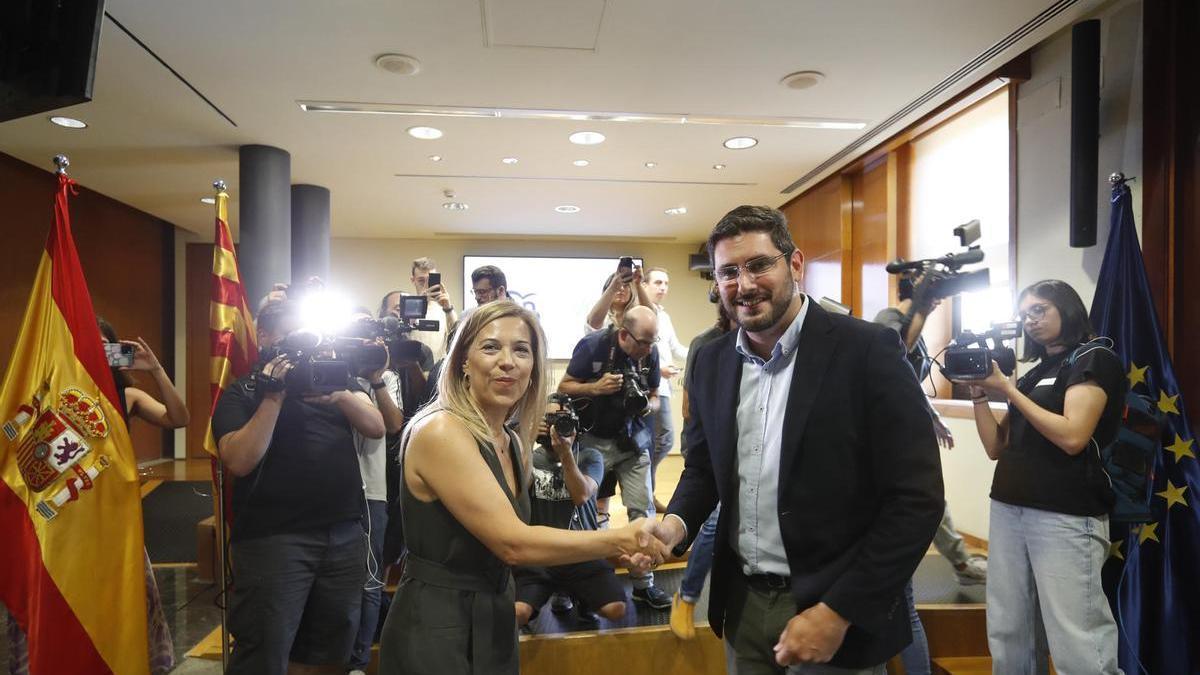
768, 582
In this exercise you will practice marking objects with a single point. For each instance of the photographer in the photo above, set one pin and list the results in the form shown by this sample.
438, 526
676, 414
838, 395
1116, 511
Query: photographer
563, 495
617, 416
383, 386
296, 540
618, 297
427, 281
1048, 534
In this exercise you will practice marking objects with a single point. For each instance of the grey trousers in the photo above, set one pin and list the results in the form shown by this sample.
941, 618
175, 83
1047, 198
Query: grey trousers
949, 542
753, 627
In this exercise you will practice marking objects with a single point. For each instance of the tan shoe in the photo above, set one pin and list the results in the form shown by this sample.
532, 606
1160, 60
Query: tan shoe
682, 621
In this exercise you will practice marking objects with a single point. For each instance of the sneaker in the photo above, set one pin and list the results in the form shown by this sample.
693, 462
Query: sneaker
682, 618
357, 672
973, 572
652, 596
560, 603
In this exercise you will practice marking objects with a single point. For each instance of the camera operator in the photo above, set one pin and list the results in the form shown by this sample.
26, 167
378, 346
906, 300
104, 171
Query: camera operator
440, 307
616, 418
383, 386
296, 540
563, 495
916, 303
1048, 533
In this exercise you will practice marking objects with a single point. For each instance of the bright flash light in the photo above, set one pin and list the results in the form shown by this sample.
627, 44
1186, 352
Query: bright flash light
983, 308
324, 312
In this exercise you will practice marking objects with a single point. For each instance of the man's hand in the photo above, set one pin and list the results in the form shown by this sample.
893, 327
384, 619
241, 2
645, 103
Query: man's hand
438, 295
277, 369
331, 398
562, 444
944, 437
668, 531
609, 383
668, 371
812, 636
377, 376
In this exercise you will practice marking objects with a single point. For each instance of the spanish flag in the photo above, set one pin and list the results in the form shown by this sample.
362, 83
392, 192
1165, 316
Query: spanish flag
231, 328
71, 557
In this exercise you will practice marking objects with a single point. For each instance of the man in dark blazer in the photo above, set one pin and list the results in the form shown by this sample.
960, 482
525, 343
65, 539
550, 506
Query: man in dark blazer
810, 429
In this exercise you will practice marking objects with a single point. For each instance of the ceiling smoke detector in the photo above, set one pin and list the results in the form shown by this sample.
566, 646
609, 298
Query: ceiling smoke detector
803, 79
398, 64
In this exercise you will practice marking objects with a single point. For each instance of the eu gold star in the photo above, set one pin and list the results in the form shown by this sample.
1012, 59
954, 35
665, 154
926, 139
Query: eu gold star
1173, 495
1167, 403
1147, 532
1136, 375
1181, 448
1114, 549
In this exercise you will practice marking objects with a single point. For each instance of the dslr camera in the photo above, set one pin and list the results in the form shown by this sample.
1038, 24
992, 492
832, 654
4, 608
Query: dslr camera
565, 420
634, 399
971, 355
943, 277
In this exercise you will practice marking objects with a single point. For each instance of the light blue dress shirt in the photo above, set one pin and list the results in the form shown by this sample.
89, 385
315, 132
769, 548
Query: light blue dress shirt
762, 404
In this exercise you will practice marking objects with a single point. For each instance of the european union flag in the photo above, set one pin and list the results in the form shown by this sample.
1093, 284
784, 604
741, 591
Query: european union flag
1157, 600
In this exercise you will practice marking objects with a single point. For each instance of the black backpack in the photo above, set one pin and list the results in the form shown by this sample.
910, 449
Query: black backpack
1129, 459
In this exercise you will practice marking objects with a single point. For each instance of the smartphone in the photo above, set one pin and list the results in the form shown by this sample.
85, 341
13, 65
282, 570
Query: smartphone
119, 354
625, 267
435, 279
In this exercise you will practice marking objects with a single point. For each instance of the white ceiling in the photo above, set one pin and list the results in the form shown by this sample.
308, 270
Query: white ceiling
154, 144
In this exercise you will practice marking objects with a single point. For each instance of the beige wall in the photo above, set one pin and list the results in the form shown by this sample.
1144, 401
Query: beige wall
366, 269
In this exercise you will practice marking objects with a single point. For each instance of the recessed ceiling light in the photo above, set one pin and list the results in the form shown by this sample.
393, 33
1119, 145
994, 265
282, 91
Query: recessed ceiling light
69, 122
651, 165
208, 200
567, 208
425, 133
455, 206
586, 138
510, 160
802, 79
435, 158
718, 167
398, 64
740, 142
677, 211
580, 162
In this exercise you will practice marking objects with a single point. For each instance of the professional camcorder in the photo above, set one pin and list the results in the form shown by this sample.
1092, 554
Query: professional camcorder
971, 355
565, 420
410, 316
322, 365
944, 277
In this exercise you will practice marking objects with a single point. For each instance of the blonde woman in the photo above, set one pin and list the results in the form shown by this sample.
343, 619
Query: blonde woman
464, 501
618, 297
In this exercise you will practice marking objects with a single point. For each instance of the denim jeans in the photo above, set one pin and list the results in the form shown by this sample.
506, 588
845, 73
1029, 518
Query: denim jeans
915, 656
700, 560
1044, 591
633, 474
368, 620
664, 434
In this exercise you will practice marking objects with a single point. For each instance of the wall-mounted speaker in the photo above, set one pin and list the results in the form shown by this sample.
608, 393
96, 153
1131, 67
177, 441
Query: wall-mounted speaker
1085, 131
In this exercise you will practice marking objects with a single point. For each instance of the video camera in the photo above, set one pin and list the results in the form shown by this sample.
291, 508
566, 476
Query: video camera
943, 277
565, 420
395, 329
971, 355
324, 365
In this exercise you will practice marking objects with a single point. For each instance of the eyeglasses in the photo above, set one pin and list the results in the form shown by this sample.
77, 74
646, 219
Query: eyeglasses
755, 268
645, 343
1035, 312
483, 292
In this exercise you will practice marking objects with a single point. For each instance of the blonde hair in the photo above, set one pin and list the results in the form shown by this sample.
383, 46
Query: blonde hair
454, 395
617, 317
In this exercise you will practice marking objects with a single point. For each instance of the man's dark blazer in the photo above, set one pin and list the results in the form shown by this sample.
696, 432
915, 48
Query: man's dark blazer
860, 479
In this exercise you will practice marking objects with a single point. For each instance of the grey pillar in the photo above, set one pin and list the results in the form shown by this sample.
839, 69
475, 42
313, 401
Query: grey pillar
310, 232
265, 219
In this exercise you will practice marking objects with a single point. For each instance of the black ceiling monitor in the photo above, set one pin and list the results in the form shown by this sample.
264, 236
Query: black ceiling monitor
47, 54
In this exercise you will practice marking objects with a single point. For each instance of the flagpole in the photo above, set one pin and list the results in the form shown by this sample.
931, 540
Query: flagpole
62, 163
219, 187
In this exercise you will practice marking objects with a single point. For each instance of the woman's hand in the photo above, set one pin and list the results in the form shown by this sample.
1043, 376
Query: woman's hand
995, 383
143, 356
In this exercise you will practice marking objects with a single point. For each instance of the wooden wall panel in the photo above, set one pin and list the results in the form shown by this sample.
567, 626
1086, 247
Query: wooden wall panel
870, 238
127, 259
815, 221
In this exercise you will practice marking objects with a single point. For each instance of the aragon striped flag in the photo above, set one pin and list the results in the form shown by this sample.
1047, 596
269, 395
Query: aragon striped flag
234, 346
71, 557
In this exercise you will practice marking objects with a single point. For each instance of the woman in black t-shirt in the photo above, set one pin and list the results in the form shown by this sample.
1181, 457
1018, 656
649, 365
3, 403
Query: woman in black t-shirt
1050, 496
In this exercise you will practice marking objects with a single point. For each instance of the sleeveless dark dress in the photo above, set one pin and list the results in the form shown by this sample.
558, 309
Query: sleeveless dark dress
453, 610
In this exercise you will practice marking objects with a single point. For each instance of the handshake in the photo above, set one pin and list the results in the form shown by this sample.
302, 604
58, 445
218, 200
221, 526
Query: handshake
646, 542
